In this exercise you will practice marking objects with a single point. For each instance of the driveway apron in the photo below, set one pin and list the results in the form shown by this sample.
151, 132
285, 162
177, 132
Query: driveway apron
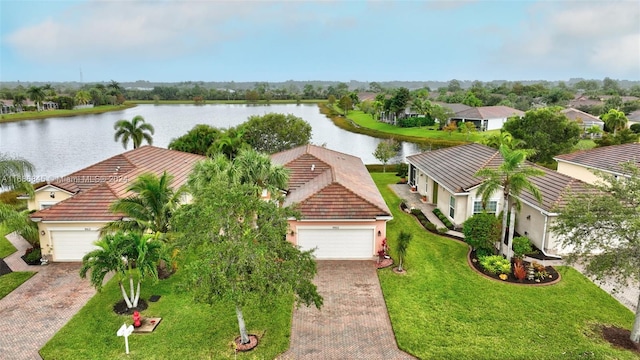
35, 311
353, 322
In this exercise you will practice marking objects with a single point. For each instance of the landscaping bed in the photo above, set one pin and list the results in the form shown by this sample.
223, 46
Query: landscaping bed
542, 275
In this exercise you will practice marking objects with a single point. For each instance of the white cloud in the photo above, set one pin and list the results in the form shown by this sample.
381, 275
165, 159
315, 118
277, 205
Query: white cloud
141, 30
588, 38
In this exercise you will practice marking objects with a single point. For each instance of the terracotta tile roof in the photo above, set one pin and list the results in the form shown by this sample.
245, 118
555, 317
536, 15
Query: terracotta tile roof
97, 186
454, 168
327, 184
607, 158
488, 112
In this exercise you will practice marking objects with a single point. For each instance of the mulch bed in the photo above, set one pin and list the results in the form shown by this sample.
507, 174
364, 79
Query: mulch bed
121, 308
4, 268
253, 342
381, 264
552, 279
619, 337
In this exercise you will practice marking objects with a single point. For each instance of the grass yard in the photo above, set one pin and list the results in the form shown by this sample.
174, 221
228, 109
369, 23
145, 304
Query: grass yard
6, 248
187, 331
34, 115
10, 281
441, 309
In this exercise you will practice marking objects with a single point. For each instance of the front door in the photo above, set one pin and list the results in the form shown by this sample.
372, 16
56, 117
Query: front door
434, 196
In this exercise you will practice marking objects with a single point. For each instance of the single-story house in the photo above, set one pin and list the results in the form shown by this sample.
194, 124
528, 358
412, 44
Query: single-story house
447, 178
343, 215
71, 210
582, 164
486, 117
584, 119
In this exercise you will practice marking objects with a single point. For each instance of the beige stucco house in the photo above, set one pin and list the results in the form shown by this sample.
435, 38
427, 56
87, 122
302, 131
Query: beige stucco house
71, 210
447, 178
486, 117
343, 214
583, 164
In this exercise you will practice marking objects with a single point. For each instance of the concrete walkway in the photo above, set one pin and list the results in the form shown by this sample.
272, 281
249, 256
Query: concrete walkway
37, 309
353, 322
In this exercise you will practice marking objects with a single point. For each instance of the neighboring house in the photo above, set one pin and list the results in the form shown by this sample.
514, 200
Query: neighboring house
49, 105
584, 119
455, 107
447, 178
633, 117
486, 117
71, 210
582, 164
343, 214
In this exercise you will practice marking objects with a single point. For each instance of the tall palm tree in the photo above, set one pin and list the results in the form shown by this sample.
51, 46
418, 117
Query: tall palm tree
114, 88
82, 97
503, 138
135, 130
230, 142
421, 106
512, 176
36, 94
150, 207
14, 172
131, 255
18, 101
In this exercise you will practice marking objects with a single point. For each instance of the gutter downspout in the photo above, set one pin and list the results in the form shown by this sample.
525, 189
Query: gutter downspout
544, 237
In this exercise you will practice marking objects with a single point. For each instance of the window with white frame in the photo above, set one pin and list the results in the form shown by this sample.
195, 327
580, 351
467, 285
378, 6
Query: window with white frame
452, 207
492, 207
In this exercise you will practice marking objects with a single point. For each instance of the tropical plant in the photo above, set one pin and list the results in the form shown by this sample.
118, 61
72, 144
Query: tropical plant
82, 97
20, 222
229, 143
495, 264
37, 95
131, 255
150, 208
14, 173
615, 120
401, 249
256, 169
198, 140
136, 130
521, 246
481, 231
234, 259
512, 177
271, 133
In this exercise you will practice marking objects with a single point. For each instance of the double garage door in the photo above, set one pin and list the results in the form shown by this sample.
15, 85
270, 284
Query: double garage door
72, 245
337, 242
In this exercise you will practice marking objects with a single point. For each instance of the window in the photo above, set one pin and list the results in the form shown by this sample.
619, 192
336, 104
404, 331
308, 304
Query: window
492, 207
452, 207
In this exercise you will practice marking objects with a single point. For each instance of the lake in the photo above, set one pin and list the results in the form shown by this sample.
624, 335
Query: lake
60, 146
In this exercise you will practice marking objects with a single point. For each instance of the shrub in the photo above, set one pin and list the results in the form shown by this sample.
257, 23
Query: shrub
442, 230
495, 264
445, 220
431, 227
519, 271
521, 246
32, 256
481, 231
402, 170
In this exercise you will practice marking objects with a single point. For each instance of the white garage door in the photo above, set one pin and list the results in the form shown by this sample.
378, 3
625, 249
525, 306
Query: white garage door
72, 245
337, 243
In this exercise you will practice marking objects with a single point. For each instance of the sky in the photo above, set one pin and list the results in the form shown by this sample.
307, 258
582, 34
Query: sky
207, 40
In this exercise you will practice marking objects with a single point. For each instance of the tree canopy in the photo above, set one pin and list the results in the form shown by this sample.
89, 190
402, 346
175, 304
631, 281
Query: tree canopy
385, 151
602, 229
547, 131
271, 133
197, 140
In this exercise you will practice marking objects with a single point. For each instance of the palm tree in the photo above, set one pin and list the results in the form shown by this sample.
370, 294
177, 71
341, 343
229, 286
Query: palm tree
137, 130
150, 208
131, 255
18, 101
403, 244
14, 172
229, 143
512, 176
256, 168
114, 88
615, 120
83, 97
503, 138
36, 94
421, 106
19, 222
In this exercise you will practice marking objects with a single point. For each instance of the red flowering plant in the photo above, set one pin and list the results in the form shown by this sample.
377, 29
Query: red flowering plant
383, 252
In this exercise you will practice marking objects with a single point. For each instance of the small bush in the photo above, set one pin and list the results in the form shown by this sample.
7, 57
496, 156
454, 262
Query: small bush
32, 256
495, 264
431, 227
521, 246
519, 271
481, 231
445, 220
442, 230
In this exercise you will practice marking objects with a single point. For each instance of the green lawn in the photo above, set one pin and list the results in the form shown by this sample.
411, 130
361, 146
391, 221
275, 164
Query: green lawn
6, 248
366, 120
11, 281
441, 309
34, 115
187, 331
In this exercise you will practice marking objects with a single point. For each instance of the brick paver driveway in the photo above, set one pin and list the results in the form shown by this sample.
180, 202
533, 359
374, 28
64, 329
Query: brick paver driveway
35, 311
353, 322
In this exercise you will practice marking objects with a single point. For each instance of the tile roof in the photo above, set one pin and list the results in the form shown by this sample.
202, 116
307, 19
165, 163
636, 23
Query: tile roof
455, 107
581, 116
606, 158
327, 184
489, 112
98, 185
455, 168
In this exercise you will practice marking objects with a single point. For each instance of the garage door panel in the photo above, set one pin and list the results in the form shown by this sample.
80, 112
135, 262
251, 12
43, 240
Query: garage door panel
72, 245
337, 243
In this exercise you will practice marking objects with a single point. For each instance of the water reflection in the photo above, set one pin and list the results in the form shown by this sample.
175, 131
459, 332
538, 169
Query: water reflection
59, 146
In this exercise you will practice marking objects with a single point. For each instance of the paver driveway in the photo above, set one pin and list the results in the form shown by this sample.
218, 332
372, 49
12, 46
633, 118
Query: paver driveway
35, 311
353, 322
